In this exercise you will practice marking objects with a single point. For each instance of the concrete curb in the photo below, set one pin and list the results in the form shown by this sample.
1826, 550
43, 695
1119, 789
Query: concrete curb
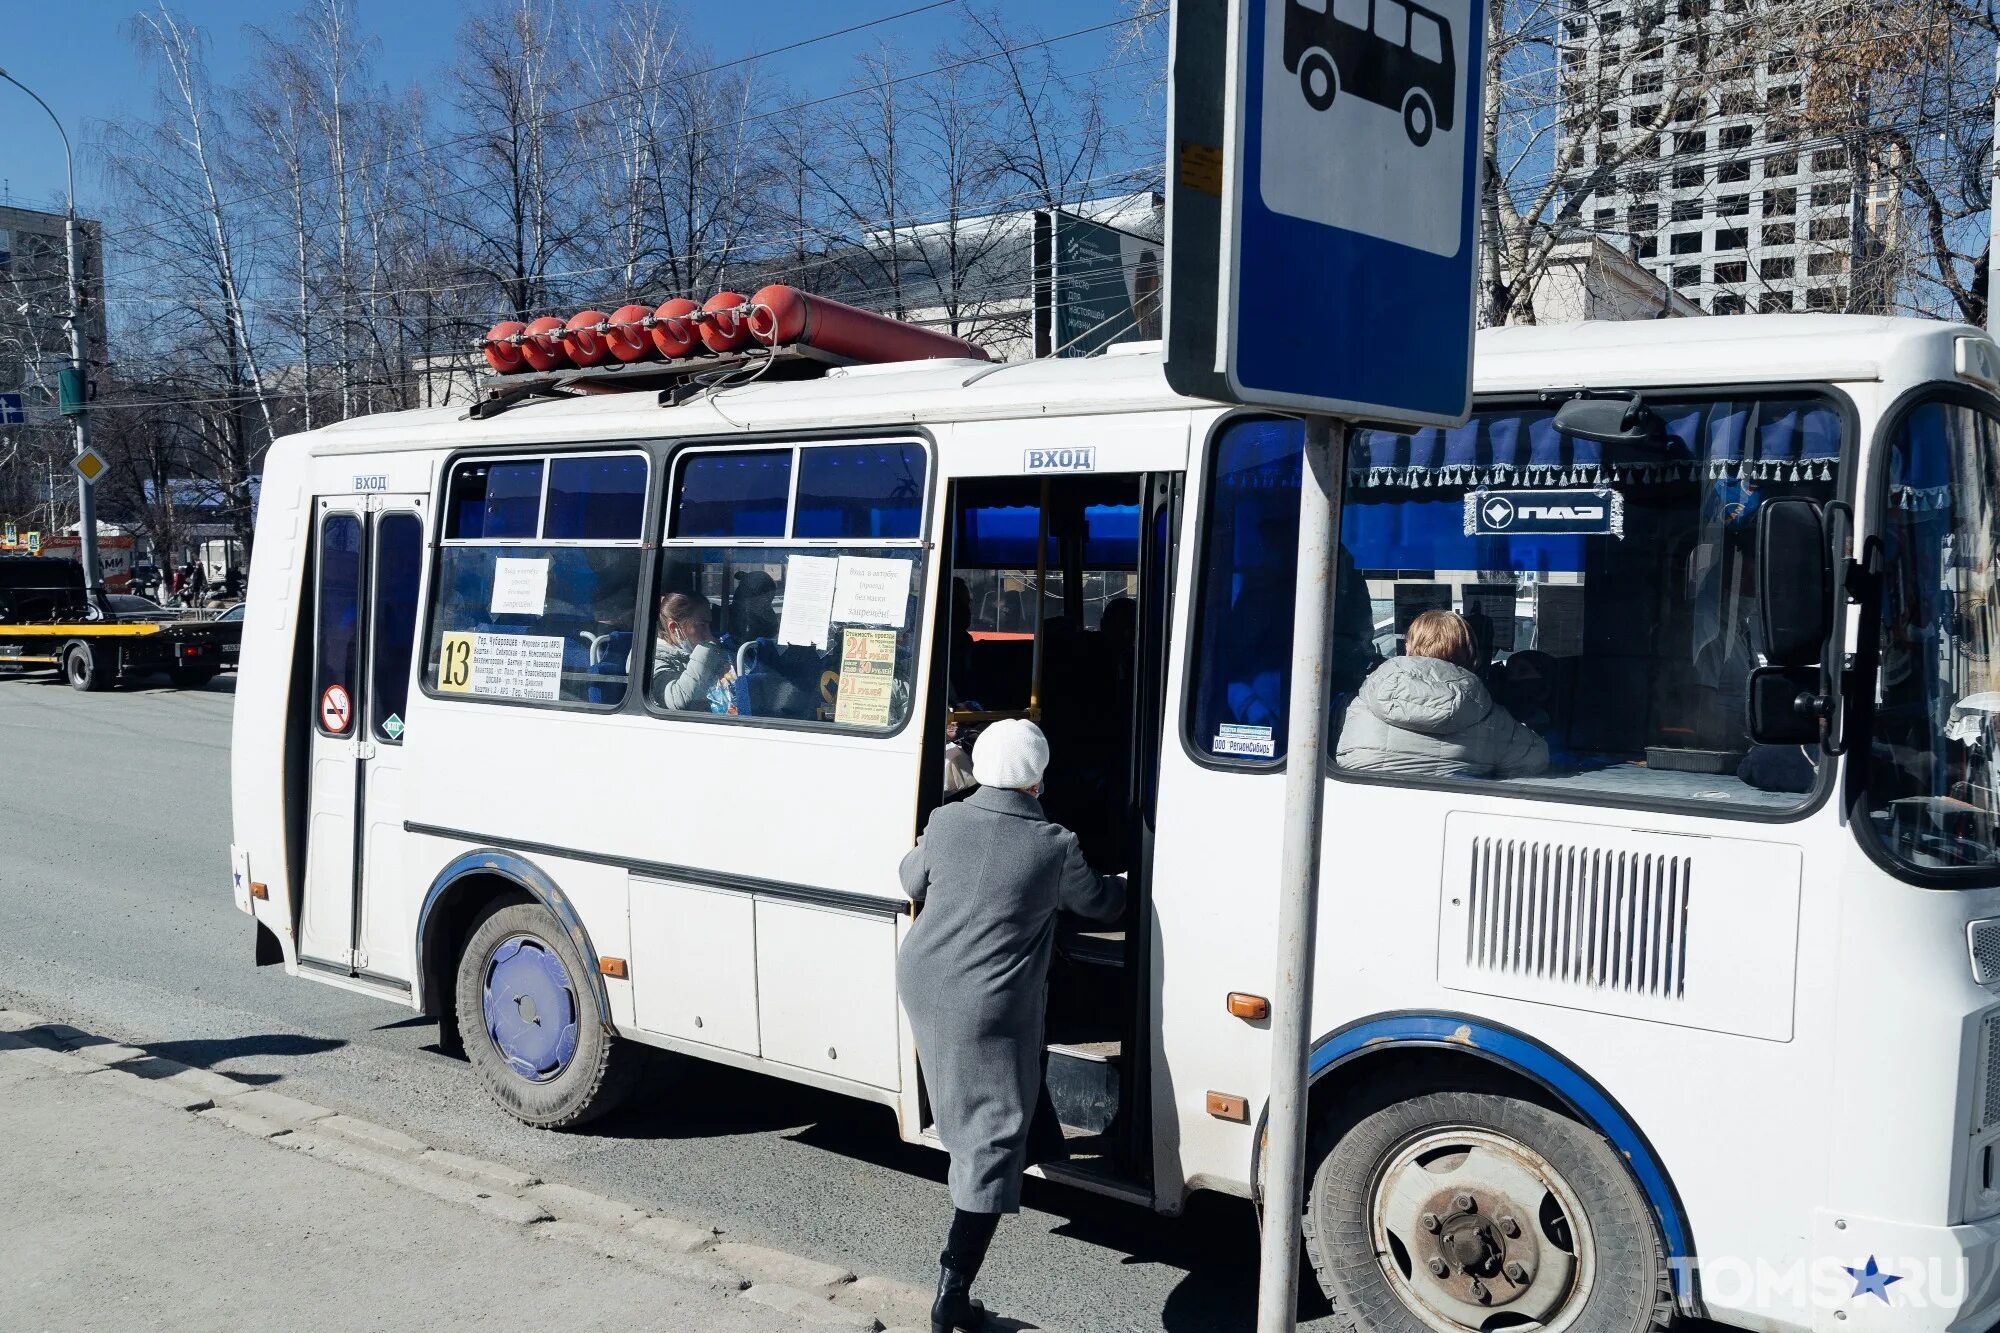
818, 1295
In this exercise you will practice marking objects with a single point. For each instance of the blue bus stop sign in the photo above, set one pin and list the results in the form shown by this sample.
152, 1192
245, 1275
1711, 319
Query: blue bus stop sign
1344, 226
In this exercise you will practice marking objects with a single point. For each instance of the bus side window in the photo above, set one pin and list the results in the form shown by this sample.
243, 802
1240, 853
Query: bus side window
1243, 636
1354, 13
791, 585
538, 579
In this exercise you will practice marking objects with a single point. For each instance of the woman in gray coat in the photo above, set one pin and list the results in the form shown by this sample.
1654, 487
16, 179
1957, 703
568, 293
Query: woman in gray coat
1428, 715
991, 873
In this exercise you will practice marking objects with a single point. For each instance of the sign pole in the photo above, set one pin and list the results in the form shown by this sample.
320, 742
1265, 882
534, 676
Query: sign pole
1298, 883
78, 374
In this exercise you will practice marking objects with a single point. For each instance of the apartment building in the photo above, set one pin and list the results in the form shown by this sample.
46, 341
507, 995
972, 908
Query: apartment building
34, 302
1716, 188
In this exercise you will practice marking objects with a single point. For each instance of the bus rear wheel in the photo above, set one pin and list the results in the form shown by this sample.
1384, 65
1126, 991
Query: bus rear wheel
1464, 1211
1419, 118
532, 1023
1318, 80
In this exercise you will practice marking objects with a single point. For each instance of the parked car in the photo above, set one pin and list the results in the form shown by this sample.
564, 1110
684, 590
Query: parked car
231, 615
127, 606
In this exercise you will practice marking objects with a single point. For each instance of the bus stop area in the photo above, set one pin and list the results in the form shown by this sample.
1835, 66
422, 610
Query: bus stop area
189, 1204
119, 932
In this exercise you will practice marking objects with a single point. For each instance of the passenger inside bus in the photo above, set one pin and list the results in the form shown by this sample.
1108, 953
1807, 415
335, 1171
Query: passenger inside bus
1609, 591
688, 662
1429, 714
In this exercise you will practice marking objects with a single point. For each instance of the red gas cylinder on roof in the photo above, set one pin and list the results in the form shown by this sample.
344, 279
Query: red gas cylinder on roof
781, 314
674, 334
502, 346
625, 333
583, 338
542, 344
723, 330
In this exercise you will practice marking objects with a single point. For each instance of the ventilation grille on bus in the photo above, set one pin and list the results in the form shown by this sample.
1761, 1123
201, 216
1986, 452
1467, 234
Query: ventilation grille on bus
1984, 939
1989, 1073
1586, 916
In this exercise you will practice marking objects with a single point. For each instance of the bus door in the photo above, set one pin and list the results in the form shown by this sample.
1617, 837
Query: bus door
1057, 594
368, 560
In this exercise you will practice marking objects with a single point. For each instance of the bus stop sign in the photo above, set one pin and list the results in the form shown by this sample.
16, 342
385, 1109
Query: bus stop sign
1334, 265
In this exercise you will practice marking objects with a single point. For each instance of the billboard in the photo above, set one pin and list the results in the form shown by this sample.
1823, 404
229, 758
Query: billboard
1095, 285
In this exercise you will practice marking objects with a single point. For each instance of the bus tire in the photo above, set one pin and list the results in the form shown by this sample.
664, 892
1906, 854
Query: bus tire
1419, 118
1318, 79
83, 671
1555, 1234
532, 1024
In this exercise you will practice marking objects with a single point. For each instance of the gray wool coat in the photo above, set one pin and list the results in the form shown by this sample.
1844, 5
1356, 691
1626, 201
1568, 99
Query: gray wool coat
991, 872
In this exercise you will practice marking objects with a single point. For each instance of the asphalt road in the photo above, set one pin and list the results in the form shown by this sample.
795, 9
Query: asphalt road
115, 915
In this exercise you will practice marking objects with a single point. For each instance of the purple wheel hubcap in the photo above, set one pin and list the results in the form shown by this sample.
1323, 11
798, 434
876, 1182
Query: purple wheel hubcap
530, 1008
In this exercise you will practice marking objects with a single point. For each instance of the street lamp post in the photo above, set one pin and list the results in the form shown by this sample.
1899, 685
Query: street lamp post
86, 499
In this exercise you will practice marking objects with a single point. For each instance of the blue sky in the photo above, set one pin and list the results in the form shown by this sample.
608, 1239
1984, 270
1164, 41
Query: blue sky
79, 56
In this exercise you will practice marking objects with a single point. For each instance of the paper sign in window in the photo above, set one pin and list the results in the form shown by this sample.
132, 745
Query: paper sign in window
501, 666
872, 591
1413, 599
867, 678
808, 610
520, 587
1489, 609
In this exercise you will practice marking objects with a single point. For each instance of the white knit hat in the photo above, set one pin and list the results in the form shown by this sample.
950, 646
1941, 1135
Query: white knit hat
1010, 753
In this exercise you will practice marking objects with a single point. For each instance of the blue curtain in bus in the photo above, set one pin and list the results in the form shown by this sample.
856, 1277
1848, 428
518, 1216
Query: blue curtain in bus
1920, 464
1795, 440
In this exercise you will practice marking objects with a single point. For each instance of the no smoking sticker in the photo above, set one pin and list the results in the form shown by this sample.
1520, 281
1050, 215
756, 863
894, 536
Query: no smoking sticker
335, 710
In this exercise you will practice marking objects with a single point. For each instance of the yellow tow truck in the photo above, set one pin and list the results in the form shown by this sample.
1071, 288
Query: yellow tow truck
50, 622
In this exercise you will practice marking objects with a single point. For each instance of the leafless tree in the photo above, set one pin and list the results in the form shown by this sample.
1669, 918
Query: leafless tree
198, 260
513, 197
287, 149
1578, 97
1904, 89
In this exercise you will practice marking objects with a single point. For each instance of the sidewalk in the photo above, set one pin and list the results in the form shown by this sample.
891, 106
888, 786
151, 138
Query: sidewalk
135, 1193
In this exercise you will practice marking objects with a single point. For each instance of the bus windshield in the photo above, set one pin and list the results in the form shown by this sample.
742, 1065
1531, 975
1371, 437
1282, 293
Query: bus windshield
1608, 595
1933, 798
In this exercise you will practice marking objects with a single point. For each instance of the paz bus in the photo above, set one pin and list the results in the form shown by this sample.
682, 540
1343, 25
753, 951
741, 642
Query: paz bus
1702, 1019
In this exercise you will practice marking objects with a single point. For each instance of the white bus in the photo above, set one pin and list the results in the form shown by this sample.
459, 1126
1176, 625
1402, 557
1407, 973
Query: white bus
1688, 1023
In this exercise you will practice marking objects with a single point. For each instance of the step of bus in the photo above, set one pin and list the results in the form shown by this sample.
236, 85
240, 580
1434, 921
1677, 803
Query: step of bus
1083, 1084
1097, 948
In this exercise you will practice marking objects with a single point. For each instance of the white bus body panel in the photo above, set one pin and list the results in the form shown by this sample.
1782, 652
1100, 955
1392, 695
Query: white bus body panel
1805, 1092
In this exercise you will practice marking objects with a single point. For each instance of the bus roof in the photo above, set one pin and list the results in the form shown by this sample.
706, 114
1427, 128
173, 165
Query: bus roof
1732, 349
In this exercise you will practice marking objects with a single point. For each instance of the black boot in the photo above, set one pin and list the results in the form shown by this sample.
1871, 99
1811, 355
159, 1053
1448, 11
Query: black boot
954, 1310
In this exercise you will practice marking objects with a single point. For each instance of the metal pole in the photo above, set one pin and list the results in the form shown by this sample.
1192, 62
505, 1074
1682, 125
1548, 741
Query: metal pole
1993, 211
1298, 883
86, 496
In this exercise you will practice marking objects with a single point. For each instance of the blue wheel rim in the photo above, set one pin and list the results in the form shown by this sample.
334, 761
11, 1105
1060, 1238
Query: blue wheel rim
530, 1008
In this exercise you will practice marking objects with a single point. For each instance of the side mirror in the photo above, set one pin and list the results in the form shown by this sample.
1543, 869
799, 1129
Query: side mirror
1625, 420
1786, 707
1794, 582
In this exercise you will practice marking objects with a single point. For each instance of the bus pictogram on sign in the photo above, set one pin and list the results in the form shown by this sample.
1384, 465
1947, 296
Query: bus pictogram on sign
335, 710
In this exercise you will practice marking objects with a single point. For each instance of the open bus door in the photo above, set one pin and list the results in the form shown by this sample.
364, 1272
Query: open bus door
1055, 609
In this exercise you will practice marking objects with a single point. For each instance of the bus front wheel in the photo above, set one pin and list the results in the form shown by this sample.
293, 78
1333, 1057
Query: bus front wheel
1318, 80
1419, 118
1472, 1210
532, 1023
